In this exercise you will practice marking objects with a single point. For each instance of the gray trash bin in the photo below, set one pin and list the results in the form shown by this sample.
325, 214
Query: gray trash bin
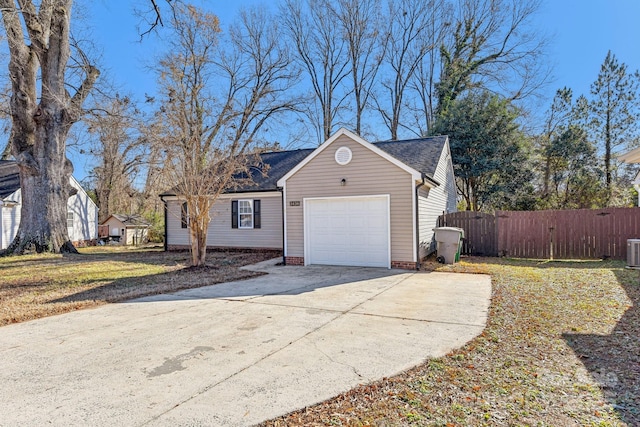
449, 240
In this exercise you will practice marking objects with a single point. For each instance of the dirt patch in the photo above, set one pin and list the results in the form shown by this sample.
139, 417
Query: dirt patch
41, 285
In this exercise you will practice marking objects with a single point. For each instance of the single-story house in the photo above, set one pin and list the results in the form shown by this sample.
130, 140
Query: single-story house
346, 202
82, 212
126, 229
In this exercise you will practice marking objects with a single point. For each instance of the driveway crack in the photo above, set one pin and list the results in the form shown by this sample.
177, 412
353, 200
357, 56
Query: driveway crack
353, 368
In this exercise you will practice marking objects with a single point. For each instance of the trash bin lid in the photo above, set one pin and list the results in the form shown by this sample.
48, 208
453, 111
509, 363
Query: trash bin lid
450, 229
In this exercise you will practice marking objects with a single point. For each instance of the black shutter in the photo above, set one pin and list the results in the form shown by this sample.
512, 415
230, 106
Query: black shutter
256, 214
234, 214
184, 215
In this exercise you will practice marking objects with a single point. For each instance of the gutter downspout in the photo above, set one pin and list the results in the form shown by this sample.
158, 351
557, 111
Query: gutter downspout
166, 237
422, 184
281, 190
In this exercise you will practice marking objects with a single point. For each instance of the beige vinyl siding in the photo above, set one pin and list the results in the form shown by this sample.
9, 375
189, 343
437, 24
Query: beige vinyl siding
220, 233
433, 202
176, 235
366, 174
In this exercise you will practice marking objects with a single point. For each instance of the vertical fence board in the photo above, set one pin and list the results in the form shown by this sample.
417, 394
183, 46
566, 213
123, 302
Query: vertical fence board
479, 231
570, 234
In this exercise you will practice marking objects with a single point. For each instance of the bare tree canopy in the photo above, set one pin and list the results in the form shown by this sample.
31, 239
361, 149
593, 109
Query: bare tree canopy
120, 153
322, 52
42, 112
411, 37
492, 46
209, 127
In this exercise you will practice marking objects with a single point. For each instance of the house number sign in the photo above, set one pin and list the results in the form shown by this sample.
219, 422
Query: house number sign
294, 203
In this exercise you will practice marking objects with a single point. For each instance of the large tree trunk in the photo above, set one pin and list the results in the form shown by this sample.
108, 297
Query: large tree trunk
43, 225
39, 45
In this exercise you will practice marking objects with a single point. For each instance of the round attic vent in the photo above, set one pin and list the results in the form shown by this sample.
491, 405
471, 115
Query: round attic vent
343, 156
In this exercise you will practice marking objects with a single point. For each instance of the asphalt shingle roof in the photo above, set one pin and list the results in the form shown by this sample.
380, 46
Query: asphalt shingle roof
421, 154
9, 178
274, 166
132, 220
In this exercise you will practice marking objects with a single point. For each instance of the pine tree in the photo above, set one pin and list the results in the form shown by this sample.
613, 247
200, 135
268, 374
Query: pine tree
615, 112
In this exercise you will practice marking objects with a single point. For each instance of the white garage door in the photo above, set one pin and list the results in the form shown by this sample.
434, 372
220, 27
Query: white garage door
347, 231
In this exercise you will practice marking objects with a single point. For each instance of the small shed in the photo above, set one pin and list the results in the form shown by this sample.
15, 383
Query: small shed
123, 228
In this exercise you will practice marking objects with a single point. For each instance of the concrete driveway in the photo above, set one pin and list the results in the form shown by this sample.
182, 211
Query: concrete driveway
236, 353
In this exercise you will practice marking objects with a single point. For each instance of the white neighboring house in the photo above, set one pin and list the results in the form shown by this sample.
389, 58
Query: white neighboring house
633, 156
82, 212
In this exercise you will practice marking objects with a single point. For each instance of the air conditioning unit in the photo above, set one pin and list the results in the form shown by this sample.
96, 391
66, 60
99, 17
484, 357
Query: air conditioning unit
633, 253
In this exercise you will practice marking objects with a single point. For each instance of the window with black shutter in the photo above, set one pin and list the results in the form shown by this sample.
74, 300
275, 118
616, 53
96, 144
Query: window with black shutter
234, 214
256, 214
245, 214
184, 215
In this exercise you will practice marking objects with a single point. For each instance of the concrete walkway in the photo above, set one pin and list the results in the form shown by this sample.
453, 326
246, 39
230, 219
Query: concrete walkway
236, 353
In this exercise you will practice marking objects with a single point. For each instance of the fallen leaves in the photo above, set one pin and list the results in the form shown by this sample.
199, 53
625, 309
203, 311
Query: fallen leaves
561, 348
42, 285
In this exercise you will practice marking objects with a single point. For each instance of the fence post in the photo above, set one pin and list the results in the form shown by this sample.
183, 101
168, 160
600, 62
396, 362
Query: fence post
551, 243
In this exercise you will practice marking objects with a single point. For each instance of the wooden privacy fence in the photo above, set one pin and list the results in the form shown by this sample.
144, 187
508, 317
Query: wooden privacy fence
561, 234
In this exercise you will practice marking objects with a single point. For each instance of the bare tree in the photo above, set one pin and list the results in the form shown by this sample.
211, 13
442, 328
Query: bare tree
42, 112
215, 104
410, 38
44, 104
120, 152
322, 52
361, 21
423, 84
492, 47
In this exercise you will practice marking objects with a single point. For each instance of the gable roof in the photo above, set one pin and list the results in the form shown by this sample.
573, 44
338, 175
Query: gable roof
422, 154
130, 220
342, 131
9, 178
418, 157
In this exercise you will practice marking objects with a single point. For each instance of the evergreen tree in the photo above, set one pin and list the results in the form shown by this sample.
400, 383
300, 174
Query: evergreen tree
614, 114
568, 165
489, 152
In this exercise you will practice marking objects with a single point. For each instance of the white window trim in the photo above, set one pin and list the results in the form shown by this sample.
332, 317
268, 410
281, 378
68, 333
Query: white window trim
250, 201
70, 216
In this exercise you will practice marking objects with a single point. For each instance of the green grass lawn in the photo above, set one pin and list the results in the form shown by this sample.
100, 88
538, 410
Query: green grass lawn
561, 348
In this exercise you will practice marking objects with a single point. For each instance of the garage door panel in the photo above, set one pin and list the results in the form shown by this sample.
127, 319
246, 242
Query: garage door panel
348, 231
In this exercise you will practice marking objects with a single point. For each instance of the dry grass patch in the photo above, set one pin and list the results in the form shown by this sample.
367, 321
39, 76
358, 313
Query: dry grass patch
561, 348
41, 285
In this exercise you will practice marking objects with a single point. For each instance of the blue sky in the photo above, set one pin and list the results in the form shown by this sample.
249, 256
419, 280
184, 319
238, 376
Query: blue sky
580, 33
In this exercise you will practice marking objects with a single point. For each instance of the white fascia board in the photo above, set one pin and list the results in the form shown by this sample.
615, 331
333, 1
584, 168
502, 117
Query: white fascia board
342, 131
248, 195
632, 156
78, 187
